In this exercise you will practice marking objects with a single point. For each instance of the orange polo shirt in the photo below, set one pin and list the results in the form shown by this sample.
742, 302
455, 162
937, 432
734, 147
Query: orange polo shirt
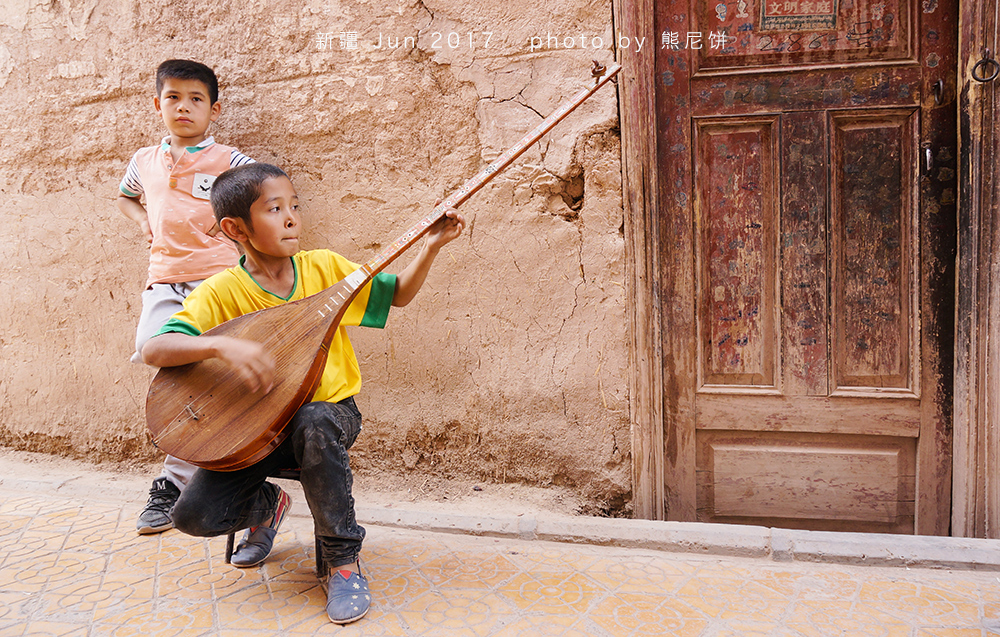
180, 214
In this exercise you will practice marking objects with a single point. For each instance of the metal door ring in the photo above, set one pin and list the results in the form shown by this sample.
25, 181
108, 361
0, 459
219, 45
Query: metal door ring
983, 64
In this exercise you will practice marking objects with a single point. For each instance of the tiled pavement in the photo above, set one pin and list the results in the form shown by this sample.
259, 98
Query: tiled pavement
73, 565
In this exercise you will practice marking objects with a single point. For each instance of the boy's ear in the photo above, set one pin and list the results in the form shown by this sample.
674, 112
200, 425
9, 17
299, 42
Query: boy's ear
235, 229
216, 109
156, 104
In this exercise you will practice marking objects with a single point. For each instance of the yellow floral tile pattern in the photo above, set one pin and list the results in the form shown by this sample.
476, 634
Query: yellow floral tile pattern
77, 568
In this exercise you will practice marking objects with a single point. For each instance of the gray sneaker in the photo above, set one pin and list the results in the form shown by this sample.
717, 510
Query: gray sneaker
156, 516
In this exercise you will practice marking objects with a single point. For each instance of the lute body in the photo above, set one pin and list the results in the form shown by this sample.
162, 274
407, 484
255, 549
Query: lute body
204, 414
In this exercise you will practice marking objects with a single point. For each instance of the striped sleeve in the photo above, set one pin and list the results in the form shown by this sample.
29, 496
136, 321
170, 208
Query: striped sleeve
131, 185
236, 158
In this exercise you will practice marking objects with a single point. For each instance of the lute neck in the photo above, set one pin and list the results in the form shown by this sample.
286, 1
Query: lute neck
601, 76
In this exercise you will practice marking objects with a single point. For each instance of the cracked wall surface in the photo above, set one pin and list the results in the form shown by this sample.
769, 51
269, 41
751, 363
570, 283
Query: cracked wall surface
511, 363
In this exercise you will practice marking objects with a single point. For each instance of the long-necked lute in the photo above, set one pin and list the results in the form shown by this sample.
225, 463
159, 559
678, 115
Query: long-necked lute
204, 414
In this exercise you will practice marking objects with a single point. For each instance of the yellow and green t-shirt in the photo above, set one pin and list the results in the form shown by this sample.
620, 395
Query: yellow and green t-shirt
233, 292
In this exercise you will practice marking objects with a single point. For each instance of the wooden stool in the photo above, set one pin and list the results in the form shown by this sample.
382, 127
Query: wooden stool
284, 474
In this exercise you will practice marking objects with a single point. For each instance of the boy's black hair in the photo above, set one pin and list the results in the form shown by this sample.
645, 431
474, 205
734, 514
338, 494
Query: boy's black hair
235, 190
188, 70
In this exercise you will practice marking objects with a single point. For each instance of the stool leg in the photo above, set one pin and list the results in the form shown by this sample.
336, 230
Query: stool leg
229, 547
321, 569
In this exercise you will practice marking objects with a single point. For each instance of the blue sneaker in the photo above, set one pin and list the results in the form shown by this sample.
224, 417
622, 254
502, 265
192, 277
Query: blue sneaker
347, 597
258, 540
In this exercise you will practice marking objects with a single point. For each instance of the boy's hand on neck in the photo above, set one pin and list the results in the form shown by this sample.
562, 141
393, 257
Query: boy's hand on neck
410, 280
445, 230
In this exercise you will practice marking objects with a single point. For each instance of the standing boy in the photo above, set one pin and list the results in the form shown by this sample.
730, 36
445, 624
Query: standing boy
257, 206
185, 248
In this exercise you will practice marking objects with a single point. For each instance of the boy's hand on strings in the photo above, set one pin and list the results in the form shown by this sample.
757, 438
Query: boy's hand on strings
249, 360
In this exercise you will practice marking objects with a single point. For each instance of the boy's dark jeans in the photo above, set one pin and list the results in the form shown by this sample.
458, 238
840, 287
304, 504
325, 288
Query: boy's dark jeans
221, 502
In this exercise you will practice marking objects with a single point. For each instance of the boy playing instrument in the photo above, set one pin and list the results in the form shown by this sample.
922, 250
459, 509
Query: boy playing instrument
176, 177
257, 206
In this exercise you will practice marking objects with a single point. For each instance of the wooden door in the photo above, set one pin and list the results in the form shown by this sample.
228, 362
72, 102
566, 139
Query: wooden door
976, 491
804, 261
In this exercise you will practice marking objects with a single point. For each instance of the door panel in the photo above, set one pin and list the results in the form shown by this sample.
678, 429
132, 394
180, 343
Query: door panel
801, 234
804, 277
780, 33
735, 179
874, 256
804, 481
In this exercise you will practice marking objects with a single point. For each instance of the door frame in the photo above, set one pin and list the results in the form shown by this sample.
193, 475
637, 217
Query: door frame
640, 174
663, 457
975, 498
663, 453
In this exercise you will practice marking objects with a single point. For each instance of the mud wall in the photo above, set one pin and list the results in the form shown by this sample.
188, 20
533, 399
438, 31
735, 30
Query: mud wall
509, 366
